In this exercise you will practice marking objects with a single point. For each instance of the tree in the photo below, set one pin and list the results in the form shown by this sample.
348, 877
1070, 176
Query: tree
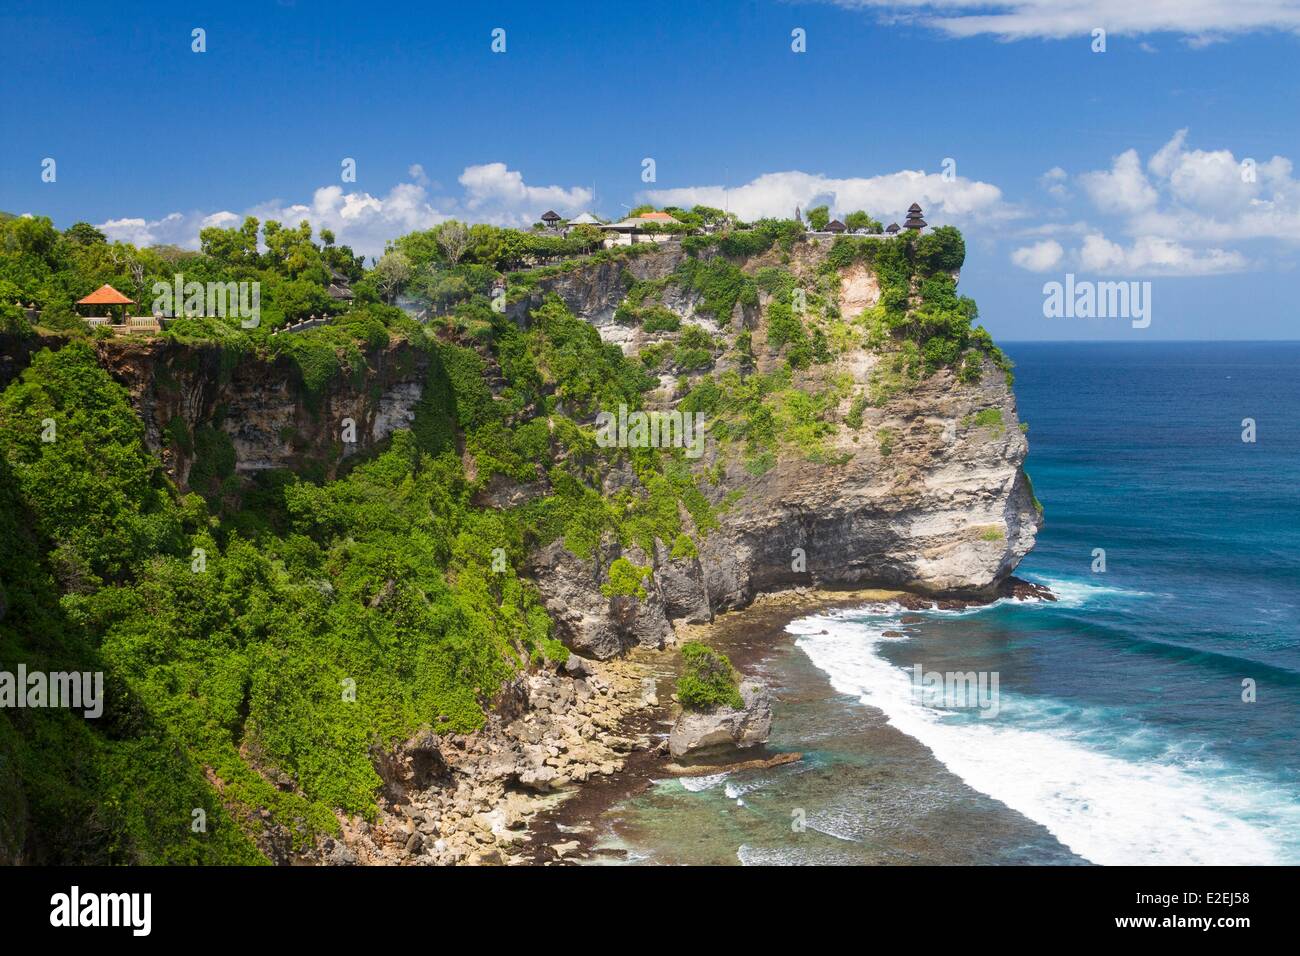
944, 250
84, 234
818, 217
587, 237
710, 215
453, 239
391, 272
860, 220
231, 246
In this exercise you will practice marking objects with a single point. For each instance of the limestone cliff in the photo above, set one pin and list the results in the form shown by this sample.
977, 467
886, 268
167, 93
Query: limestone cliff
927, 493
262, 407
921, 489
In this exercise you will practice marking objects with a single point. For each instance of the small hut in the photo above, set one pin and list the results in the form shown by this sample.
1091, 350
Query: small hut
835, 226
106, 296
550, 218
914, 220
892, 229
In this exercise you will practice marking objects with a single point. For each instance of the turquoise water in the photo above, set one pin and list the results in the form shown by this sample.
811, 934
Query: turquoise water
1121, 734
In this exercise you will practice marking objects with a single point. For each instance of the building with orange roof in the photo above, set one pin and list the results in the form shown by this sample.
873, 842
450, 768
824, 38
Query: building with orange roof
106, 296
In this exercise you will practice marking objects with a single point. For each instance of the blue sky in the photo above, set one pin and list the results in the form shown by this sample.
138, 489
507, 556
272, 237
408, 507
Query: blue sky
1067, 160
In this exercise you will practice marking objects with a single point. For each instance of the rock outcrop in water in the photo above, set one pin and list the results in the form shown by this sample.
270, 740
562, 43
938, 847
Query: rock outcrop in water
725, 727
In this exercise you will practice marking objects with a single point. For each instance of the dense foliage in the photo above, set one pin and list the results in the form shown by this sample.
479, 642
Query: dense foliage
51, 269
262, 639
707, 680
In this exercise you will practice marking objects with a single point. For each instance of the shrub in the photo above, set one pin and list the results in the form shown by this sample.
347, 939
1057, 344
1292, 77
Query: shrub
708, 680
660, 319
944, 250
625, 578
684, 547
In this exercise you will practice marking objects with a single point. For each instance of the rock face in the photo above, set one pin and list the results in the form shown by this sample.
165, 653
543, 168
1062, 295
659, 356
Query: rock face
594, 293
927, 493
725, 727
948, 510
261, 407
467, 799
591, 622
942, 506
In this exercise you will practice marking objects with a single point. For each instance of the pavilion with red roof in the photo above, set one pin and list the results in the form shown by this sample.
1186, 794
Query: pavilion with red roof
106, 295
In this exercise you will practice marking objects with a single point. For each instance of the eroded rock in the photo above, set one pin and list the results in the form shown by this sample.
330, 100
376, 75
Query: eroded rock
725, 727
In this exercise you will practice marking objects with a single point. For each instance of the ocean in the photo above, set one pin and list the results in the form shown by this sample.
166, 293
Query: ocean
1150, 716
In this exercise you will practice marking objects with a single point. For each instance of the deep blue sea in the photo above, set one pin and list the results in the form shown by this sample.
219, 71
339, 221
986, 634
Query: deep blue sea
1122, 734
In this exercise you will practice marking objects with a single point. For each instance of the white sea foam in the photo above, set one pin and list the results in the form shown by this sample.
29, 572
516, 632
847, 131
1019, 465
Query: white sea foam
1104, 807
696, 784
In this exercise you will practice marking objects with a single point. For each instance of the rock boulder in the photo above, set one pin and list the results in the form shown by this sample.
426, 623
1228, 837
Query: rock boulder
725, 727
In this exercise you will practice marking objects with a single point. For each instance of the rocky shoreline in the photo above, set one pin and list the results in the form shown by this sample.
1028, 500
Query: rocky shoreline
563, 745
469, 799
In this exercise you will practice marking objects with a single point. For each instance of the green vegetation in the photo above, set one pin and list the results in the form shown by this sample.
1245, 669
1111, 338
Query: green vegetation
382, 579
708, 680
54, 269
325, 619
919, 306
263, 638
684, 548
990, 418
720, 285
695, 348
626, 579
854, 417
661, 320
762, 413
860, 220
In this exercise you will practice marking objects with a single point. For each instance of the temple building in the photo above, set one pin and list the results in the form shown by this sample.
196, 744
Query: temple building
633, 230
914, 220
835, 226
892, 229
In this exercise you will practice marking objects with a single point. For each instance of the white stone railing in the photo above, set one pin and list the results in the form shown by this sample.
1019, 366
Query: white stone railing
303, 326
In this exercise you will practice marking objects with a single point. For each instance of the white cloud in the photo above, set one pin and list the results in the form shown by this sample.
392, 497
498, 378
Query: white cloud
1154, 255
885, 197
1201, 21
1207, 195
1039, 257
493, 193
1053, 182
1123, 189
502, 193
1178, 210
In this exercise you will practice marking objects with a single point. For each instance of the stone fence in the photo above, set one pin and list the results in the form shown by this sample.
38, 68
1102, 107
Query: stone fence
304, 325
